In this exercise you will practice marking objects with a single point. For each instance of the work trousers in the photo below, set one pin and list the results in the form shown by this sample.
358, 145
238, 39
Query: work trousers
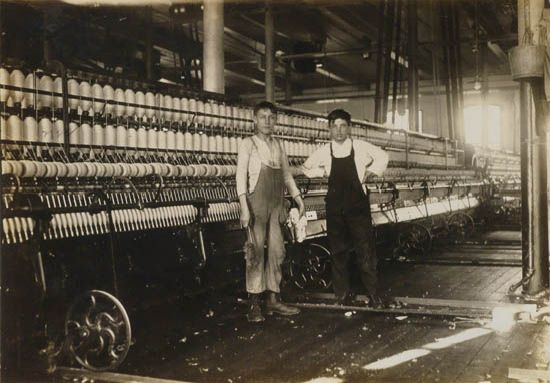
266, 207
350, 231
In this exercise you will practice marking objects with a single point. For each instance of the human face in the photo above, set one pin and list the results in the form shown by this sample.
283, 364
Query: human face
339, 130
265, 121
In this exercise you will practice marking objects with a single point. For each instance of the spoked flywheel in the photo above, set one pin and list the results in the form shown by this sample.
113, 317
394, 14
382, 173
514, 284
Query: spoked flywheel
98, 331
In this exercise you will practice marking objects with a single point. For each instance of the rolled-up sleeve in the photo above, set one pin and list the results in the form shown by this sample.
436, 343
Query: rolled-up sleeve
379, 159
287, 175
312, 168
242, 166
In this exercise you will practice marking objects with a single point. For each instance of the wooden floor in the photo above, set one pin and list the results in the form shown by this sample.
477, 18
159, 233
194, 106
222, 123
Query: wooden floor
206, 338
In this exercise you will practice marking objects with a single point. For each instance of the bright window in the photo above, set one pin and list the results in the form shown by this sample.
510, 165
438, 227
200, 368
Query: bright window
402, 120
473, 125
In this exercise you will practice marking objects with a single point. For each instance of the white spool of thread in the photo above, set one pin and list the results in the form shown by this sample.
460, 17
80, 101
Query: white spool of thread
188, 141
74, 92
219, 144
200, 113
196, 142
208, 120
132, 138
140, 100
121, 136
73, 135
85, 91
14, 128
223, 116
45, 131
242, 118
86, 134
30, 96
109, 96
4, 80
58, 88
180, 141
162, 140
97, 94
30, 128
204, 142
168, 104
142, 138
110, 136
215, 114
159, 104
211, 146
226, 146
152, 139
185, 115
229, 117
98, 136
150, 103
120, 108
170, 140
58, 131
3, 128
130, 98
193, 110
176, 105
17, 79
234, 116
233, 145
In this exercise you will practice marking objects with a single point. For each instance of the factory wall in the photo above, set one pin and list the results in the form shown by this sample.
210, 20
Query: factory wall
434, 112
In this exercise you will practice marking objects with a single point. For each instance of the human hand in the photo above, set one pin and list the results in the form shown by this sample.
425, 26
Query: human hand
245, 218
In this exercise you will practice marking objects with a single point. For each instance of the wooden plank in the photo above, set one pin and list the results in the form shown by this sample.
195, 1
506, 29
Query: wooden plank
449, 362
526, 375
111, 377
434, 302
421, 311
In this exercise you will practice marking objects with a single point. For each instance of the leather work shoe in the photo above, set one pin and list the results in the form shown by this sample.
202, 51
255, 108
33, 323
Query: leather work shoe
254, 310
274, 305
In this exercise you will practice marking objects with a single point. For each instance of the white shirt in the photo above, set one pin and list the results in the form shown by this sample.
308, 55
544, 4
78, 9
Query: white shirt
253, 152
368, 157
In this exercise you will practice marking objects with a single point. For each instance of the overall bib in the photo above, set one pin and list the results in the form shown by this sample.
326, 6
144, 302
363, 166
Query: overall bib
349, 226
266, 206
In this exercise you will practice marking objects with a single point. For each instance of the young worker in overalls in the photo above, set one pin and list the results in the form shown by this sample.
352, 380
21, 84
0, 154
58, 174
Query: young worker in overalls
347, 163
262, 174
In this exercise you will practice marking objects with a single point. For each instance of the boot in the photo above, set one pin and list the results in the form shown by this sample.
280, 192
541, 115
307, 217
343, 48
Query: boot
254, 311
274, 305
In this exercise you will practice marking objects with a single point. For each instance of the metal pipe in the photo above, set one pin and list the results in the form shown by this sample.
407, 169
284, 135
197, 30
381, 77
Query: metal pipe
212, 53
269, 53
460, 89
149, 44
534, 176
379, 63
388, 42
413, 65
396, 67
446, 70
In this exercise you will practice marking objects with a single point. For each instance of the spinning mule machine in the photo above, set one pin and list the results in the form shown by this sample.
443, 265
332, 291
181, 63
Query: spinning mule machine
112, 188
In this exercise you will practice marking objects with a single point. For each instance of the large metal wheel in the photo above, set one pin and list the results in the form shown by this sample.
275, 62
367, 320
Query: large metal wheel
310, 267
98, 331
460, 226
413, 240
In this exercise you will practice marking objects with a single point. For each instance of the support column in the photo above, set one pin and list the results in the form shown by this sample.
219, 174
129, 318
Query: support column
534, 163
269, 53
413, 65
149, 44
212, 53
